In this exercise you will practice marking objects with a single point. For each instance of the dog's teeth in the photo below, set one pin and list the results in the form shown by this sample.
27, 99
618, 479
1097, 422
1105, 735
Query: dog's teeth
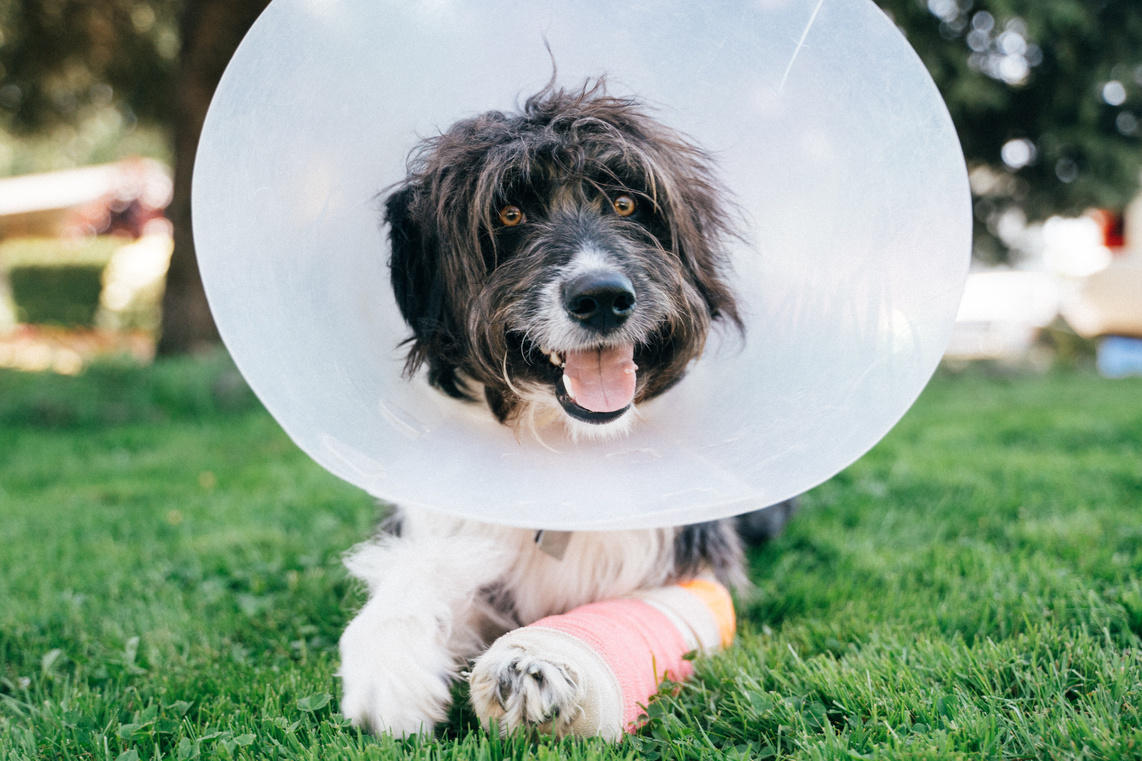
553, 357
567, 386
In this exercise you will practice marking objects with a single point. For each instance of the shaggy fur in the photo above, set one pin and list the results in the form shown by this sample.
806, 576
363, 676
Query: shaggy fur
512, 236
482, 298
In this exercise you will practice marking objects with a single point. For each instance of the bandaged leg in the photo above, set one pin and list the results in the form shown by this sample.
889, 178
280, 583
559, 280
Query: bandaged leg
592, 671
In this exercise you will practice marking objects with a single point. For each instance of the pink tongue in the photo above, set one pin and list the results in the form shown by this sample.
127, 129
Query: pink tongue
602, 380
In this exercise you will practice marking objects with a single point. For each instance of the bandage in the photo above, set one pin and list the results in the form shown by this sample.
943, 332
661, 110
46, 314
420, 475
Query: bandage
620, 651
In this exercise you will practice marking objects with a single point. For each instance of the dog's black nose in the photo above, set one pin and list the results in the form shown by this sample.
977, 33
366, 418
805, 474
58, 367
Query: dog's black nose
601, 301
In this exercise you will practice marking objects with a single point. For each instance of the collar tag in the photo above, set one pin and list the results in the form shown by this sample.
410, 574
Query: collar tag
554, 543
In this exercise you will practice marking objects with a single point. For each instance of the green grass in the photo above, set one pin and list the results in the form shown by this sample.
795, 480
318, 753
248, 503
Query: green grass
170, 586
56, 281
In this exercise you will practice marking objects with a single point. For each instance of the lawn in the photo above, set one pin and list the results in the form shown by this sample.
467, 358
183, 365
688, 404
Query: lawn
170, 586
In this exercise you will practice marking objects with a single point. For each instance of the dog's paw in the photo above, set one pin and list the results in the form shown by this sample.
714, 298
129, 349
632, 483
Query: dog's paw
516, 688
395, 675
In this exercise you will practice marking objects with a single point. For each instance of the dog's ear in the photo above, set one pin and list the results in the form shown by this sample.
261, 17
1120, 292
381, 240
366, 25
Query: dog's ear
410, 272
704, 224
418, 280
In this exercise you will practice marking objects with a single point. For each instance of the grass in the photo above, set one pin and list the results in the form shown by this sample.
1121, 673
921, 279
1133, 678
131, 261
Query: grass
170, 587
56, 281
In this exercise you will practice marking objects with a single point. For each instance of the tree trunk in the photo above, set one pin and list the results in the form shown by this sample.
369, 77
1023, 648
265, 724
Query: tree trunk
211, 31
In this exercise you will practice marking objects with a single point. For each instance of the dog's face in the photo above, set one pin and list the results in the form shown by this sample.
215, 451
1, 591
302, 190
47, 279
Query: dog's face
570, 259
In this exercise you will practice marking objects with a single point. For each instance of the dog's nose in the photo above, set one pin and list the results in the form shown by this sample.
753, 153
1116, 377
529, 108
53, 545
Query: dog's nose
601, 301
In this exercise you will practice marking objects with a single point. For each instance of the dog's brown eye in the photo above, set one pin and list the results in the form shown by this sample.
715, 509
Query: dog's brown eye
511, 215
624, 205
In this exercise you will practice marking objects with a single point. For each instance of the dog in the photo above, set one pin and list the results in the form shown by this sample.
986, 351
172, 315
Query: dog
561, 265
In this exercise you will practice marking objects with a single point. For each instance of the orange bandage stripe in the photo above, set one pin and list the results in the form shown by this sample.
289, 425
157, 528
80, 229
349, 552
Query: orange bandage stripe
721, 605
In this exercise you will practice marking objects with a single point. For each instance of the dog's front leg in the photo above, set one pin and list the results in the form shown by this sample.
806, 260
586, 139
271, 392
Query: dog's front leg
403, 650
592, 670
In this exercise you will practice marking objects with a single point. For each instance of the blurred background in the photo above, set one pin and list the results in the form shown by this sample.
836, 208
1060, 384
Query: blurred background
102, 101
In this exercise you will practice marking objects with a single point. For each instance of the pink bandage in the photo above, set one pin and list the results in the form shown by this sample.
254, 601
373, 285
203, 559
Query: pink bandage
619, 651
639, 644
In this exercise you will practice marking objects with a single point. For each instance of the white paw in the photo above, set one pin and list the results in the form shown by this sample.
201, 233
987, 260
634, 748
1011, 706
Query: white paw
395, 675
518, 688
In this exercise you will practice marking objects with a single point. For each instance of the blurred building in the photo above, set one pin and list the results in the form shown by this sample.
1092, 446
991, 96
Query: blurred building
118, 198
99, 226
1081, 274
1109, 302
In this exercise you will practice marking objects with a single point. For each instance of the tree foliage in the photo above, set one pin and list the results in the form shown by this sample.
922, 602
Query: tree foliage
62, 59
1046, 95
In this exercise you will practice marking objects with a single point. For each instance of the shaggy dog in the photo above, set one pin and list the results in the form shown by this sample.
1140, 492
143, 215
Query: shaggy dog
563, 264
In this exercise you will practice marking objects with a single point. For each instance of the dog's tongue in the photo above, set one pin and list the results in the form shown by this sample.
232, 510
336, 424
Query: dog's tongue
600, 380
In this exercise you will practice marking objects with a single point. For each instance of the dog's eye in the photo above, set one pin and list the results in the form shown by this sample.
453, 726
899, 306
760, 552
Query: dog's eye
624, 205
511, 215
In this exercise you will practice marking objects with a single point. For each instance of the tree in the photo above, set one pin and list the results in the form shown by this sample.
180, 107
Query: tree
155, 61
1046, 96
211, 31
62, 59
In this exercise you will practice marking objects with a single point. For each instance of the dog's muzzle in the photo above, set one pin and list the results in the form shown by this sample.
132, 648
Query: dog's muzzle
598, 383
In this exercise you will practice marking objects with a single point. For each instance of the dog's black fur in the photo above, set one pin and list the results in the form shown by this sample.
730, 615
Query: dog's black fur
471, 287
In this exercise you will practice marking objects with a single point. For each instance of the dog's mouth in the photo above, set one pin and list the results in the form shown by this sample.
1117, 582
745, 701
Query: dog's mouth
596, 385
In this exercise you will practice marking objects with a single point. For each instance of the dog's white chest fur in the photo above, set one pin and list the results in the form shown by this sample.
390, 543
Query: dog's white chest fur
595, 565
